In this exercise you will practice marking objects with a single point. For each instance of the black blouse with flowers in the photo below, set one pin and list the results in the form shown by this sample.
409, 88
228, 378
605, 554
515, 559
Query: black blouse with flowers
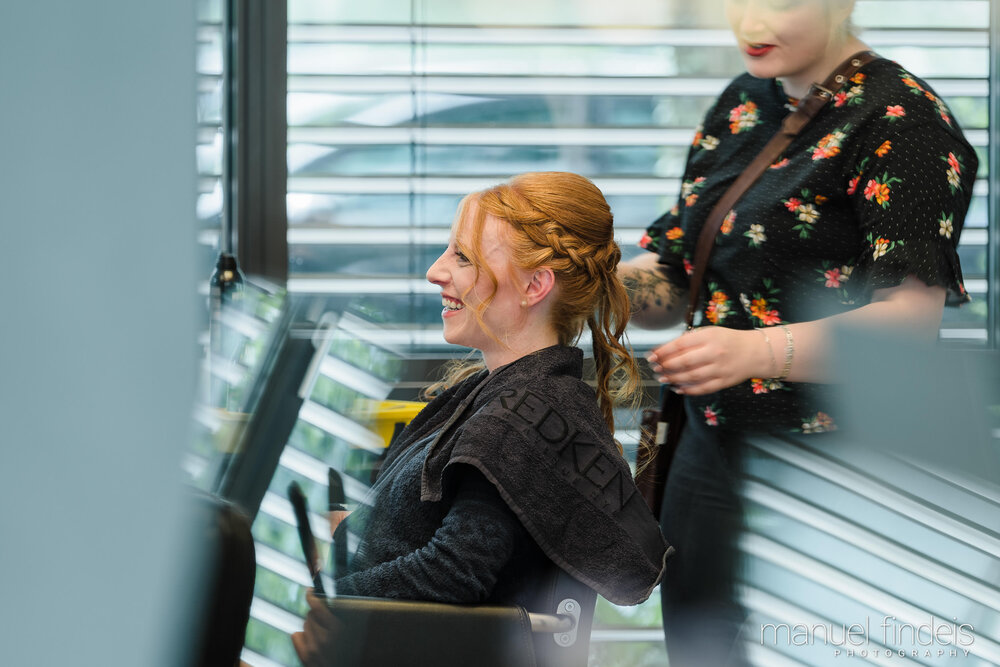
876, 188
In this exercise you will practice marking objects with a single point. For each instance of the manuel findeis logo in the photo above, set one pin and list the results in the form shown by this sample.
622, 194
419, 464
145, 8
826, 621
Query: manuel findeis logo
936, 638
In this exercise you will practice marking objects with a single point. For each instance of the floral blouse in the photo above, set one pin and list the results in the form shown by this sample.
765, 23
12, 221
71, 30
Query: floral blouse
876, 188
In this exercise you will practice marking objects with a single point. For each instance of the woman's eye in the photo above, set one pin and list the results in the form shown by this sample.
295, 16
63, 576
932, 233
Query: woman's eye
461, 256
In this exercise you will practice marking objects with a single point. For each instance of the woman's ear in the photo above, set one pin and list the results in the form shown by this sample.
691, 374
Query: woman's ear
542, 282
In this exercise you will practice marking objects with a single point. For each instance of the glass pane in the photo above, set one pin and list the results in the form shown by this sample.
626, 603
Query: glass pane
500, 110
518, 13
484, 160
398, 108
971, 14
209, 117
240, 341
217, 421
929, 63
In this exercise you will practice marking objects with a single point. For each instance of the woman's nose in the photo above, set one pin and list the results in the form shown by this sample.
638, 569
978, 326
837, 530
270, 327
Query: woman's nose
751, 20
435, 273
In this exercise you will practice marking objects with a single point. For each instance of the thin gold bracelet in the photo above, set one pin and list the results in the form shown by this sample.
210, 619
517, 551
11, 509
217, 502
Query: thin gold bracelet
789, 352
770, 352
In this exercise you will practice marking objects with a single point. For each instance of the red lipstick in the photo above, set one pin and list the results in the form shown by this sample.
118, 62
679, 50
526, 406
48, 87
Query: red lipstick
758, 50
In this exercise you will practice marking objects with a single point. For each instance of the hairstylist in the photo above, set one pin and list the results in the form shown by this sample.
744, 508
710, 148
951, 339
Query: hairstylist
856, 223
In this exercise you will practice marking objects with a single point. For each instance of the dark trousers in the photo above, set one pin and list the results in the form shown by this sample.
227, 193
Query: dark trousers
701, 517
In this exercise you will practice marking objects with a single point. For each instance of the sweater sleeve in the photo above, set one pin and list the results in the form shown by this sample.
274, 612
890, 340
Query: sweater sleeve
461, 562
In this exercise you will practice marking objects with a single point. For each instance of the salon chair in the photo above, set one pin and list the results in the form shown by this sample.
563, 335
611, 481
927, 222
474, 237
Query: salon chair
554, 633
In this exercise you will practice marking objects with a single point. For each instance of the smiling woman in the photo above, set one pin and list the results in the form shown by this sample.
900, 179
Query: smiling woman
797, 41
509, 308
471, 501
536, 260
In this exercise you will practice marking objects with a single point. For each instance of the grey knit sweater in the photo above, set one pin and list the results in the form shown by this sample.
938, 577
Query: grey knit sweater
468, 547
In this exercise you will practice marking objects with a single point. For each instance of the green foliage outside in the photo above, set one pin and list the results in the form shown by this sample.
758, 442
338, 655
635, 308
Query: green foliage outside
271, 642
628, 654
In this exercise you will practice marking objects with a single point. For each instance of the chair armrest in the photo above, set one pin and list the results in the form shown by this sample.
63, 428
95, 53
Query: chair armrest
376, 632
551, 623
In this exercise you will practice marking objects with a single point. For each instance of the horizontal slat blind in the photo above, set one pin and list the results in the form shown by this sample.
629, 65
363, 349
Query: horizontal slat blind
392, 121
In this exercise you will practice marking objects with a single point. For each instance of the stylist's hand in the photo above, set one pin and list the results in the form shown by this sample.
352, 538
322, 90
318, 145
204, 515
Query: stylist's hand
315, 644
707, 359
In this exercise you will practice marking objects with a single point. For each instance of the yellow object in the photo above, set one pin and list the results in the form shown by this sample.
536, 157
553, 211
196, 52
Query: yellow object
386, 414
229, 433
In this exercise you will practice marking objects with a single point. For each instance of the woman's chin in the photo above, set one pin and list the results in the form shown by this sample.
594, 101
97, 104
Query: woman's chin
455, 337
759, 69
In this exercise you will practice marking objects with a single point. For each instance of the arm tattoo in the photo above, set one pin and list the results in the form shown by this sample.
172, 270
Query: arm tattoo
650, 292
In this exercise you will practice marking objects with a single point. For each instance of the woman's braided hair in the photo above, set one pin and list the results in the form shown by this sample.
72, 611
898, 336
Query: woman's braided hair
562, 221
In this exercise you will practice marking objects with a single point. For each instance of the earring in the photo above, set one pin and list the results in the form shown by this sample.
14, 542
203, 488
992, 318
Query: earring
524, 303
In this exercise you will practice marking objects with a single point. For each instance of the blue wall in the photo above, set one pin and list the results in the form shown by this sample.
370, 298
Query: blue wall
97, 325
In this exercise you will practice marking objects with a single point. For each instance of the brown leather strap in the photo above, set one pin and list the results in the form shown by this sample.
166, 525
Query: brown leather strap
818, 97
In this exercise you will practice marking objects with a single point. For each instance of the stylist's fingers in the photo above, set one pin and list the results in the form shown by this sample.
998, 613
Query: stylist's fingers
683, 369
672, 348
702, 361
676, 365
709, 385
672, 357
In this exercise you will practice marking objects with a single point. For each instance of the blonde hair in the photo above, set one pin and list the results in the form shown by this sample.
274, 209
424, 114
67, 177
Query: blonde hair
847, 28
560, 220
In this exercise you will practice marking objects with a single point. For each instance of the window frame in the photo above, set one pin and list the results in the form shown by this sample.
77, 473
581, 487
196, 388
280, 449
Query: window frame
993, 183
255, 170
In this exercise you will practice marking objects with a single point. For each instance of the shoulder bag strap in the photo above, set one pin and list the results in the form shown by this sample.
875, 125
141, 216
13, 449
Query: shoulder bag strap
819, 95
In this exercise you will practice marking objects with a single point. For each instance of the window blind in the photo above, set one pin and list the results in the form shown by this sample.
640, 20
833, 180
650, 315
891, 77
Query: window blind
390, 123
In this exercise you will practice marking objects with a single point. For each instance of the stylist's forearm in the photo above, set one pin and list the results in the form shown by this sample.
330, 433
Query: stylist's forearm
912, 309
656, 302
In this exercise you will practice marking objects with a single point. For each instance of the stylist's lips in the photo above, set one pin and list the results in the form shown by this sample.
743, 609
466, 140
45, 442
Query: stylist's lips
758, 50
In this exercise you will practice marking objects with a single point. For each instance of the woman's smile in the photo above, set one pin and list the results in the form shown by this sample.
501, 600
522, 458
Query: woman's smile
758, 50
450, 305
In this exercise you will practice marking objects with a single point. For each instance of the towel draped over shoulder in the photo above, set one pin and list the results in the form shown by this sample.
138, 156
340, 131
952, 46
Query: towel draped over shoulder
534, 430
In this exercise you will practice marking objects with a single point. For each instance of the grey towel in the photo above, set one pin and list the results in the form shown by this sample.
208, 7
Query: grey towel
534, 430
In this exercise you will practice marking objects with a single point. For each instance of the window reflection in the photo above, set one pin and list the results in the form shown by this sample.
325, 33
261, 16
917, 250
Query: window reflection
397, 108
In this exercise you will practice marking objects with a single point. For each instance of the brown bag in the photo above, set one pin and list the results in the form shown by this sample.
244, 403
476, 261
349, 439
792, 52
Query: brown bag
661, 429
659, 434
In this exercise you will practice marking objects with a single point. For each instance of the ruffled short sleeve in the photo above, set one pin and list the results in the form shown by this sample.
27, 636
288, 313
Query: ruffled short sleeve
911, 191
